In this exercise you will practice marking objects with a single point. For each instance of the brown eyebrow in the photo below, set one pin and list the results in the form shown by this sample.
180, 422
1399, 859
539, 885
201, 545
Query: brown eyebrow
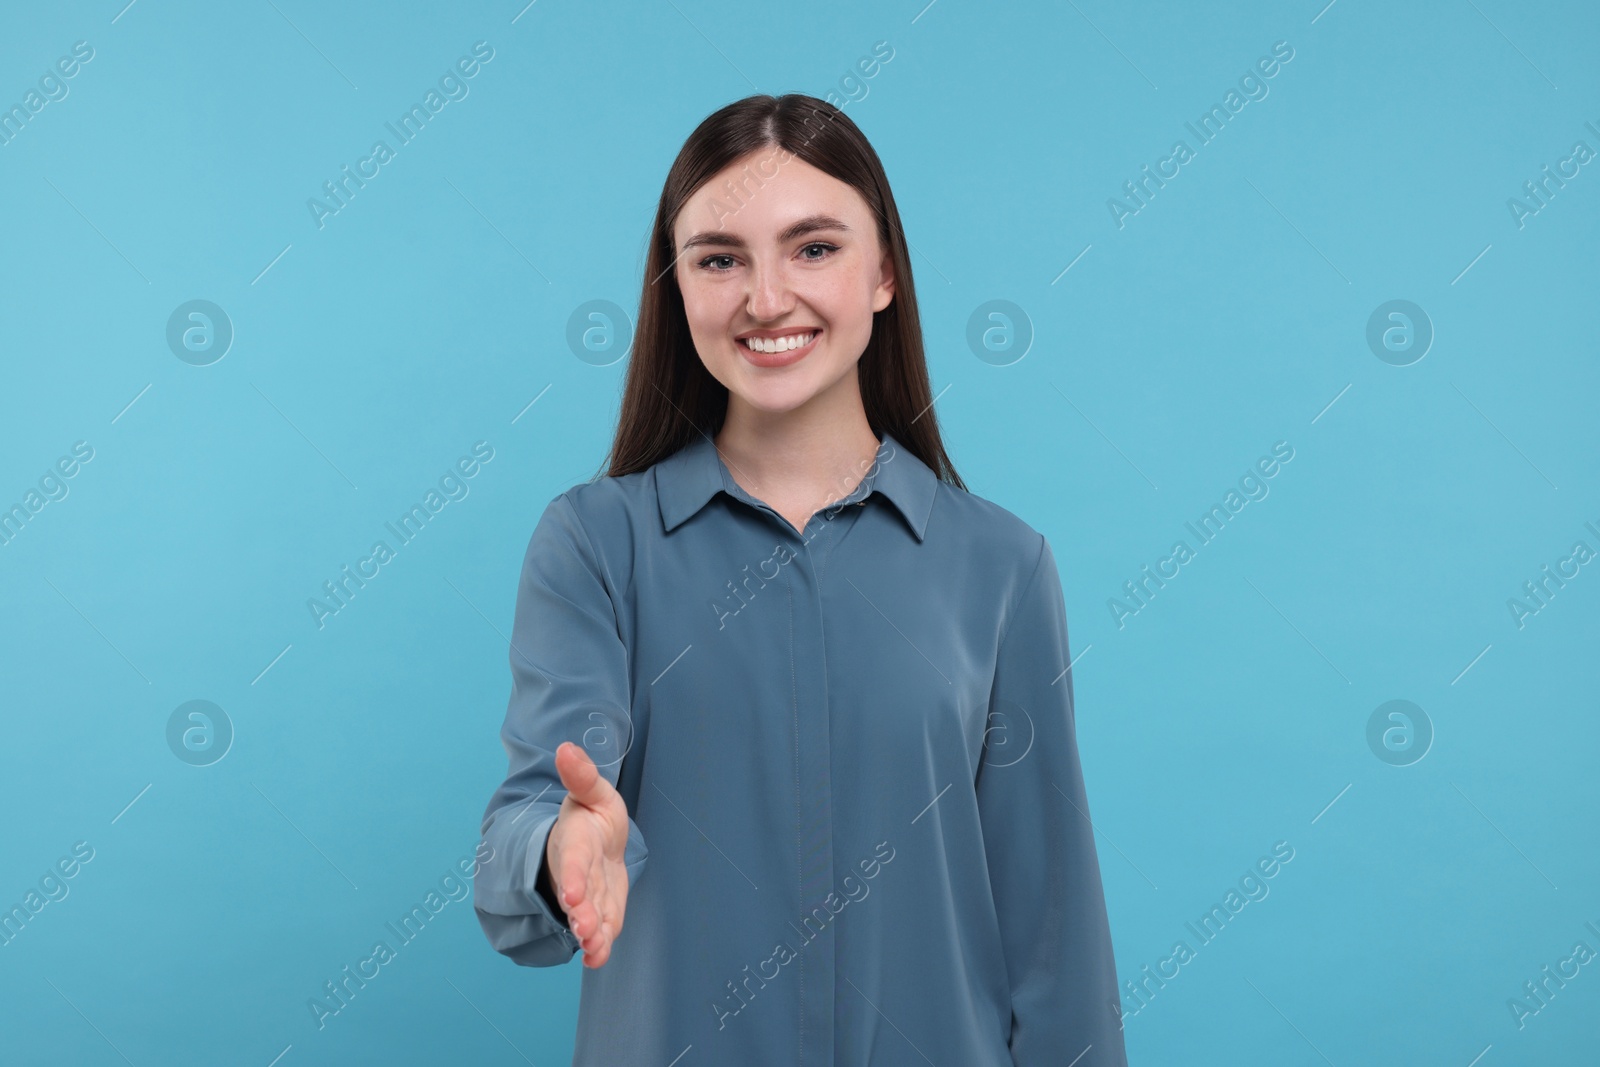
809, 224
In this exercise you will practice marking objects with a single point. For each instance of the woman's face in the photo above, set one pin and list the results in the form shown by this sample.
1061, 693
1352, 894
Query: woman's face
794, 254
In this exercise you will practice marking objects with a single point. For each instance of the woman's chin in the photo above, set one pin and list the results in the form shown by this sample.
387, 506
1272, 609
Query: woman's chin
768, 403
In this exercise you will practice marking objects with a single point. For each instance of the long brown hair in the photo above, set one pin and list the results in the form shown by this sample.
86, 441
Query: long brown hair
669, 397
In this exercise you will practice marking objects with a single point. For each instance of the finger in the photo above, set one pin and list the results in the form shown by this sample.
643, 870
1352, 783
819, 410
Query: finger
585, 891
583, 780
584, 918
591, 791
602, 952
598, 926
597, 949
572, 883
611, 903
596, 906
608, 908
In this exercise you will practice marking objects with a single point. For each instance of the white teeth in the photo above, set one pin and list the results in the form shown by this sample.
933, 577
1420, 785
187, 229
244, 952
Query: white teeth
781, 344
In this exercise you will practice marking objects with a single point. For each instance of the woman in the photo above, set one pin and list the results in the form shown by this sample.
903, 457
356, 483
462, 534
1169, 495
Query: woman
783, 653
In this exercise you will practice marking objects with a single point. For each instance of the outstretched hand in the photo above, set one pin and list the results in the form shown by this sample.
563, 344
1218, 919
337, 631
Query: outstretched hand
584, 854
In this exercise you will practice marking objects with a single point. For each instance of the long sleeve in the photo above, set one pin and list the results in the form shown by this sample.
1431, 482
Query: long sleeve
1040, 848
569, 682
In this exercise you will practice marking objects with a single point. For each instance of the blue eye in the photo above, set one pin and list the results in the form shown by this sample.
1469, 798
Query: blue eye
707, 263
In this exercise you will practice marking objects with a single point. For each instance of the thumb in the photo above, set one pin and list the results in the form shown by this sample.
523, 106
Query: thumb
585, 784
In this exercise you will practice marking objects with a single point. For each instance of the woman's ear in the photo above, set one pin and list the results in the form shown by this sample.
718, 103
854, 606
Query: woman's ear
883, 295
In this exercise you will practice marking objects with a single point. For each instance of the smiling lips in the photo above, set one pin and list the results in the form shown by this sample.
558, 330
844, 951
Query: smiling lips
778, 351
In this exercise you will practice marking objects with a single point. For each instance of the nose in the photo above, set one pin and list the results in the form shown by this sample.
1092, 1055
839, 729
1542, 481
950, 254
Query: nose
769, 296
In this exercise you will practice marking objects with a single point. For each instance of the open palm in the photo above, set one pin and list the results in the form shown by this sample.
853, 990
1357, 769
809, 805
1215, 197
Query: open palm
585, 854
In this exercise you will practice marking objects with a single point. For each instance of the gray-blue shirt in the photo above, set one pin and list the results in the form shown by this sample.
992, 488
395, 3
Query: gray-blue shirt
858, 832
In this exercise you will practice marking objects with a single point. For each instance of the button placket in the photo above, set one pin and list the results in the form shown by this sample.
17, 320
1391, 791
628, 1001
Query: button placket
814, 810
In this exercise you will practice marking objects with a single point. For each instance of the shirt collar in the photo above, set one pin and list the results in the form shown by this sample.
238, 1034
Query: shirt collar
688, 479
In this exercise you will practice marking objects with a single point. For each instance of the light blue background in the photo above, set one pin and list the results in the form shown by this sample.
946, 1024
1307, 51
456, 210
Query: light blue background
1228, 314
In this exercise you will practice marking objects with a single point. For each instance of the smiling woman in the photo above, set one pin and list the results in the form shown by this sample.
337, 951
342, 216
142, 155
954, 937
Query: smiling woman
818, 270
900, 621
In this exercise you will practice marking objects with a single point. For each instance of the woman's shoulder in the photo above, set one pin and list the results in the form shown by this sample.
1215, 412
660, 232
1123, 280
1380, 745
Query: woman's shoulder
606, 502
988, 526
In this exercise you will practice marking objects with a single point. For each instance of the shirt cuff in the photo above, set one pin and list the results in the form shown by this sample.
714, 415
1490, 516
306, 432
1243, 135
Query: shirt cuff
541, 888
537, 885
